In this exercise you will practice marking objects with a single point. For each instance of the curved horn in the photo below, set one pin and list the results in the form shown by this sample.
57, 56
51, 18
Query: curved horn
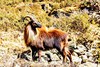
32, 18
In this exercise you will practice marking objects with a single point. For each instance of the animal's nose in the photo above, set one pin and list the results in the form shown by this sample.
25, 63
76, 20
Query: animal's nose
39, 25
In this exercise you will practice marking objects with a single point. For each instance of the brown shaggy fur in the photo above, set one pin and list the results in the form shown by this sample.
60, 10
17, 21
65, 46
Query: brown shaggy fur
39, 38
44, 39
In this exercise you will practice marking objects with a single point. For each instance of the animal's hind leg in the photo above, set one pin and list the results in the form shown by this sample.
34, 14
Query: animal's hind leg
70, 58
68, 53
64, 55
61, 50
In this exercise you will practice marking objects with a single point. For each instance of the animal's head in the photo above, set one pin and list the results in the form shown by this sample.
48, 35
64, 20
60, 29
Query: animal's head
33, 22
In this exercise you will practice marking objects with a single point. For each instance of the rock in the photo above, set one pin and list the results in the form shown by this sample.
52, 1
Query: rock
52, 56
80, 49
88, 64
47, 7
59, 13
88, 54
76, 60
20, 63
84, 58
93, 51
55, 57
43, 60
74, 54
90, 6
90, 59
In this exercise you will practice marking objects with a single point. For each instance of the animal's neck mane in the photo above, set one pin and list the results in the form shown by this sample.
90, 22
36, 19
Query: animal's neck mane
31, 31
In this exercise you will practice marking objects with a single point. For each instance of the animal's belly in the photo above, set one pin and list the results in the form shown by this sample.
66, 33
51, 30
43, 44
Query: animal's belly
48, 45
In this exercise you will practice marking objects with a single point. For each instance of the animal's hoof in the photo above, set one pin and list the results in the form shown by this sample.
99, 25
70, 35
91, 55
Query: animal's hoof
71, 65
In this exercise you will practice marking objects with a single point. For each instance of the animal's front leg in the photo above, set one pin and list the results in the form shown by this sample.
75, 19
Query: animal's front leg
64, 56
34, 51
33, 55
39, 54
68, 53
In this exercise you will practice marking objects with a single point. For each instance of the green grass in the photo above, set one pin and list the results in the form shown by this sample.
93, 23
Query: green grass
12, 12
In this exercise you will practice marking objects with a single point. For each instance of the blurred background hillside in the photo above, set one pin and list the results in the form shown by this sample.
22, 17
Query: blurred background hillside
79, 18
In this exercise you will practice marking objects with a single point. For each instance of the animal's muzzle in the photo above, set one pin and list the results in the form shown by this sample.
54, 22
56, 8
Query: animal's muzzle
39, 25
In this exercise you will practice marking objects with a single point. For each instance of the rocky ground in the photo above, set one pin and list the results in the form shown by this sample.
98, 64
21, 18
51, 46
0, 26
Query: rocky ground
86, 53
11, 54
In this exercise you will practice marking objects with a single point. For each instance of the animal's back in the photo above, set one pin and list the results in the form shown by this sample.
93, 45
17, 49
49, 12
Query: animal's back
52, 37
57, 33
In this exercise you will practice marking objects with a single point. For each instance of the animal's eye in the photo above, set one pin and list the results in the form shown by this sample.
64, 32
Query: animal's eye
34, 24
